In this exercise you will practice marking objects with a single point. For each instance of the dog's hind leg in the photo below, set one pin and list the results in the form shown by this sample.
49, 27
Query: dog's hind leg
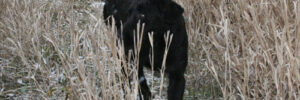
144, 89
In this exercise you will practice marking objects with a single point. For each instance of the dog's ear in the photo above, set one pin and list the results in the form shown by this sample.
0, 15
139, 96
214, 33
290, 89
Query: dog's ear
173, 11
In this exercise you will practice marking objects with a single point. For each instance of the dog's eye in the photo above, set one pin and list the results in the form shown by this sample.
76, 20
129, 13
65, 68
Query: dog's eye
140, 15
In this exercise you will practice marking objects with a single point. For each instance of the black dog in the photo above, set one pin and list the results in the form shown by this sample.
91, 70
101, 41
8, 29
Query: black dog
159, 16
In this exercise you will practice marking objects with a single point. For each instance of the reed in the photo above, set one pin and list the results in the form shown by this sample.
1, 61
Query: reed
238, 49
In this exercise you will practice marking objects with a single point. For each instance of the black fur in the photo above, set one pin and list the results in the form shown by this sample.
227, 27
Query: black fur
117, 8
159, 16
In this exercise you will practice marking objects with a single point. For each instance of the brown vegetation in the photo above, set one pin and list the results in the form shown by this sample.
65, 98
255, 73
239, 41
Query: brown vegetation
238, 50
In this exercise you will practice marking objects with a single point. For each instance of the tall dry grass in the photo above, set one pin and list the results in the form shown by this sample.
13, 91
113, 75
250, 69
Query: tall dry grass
238, 49
251, 48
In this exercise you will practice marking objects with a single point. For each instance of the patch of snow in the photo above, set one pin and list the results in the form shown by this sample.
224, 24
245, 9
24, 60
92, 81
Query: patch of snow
10, 95
98, 4
36, 66
20, 81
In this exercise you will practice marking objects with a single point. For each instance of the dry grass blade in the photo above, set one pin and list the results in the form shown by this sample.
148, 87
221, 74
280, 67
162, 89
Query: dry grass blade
61, 49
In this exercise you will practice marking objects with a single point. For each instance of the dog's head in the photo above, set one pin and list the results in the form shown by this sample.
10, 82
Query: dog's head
156, 14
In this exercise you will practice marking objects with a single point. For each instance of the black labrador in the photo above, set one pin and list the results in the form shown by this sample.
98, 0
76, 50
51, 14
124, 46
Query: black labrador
159, 16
